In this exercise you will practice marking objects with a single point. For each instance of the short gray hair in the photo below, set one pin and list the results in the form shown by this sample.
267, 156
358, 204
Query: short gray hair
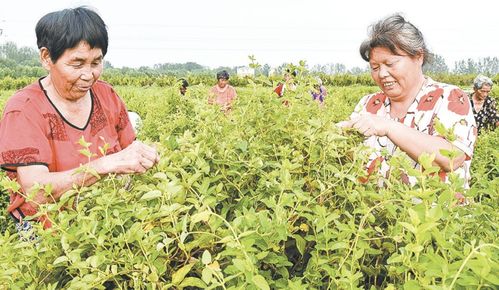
395, 33
481, 80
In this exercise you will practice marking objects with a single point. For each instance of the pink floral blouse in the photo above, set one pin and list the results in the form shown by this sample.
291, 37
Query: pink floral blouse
447, 103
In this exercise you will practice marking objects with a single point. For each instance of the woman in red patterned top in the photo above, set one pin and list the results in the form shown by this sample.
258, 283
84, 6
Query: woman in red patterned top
42, 123
404, 113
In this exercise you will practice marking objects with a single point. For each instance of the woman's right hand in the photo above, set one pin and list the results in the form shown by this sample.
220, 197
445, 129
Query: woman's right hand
136, 158
368, 125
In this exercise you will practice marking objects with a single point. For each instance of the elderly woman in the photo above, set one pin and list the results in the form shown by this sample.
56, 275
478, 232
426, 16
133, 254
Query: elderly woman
43, 122
403, 114
484, 107
222, 93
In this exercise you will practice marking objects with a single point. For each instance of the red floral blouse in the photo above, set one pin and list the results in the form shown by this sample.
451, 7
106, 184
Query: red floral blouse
447, 103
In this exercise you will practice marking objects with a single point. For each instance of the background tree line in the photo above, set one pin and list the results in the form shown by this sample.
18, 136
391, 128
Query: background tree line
23, 62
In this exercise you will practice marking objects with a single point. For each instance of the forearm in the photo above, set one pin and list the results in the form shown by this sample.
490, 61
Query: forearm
136, 158
59, 182
415, 143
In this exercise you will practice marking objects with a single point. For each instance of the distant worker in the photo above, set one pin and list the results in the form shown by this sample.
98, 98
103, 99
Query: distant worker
484, 107
319, 92
183, 86
222, 93
288, 84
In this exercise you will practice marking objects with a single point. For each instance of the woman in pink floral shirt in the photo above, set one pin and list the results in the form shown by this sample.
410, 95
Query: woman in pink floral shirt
222, 93
403, 115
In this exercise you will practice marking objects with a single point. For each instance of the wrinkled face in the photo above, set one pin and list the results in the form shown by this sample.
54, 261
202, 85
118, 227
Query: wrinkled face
222, 82
396, 74
76, 70
482, 93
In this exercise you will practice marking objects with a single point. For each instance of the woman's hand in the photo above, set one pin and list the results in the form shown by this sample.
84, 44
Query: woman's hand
369, 125
136, 158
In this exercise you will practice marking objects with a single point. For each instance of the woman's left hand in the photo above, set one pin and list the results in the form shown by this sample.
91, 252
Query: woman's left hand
368, 125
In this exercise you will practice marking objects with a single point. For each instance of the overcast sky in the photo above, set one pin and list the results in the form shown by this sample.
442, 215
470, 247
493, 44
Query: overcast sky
225, 32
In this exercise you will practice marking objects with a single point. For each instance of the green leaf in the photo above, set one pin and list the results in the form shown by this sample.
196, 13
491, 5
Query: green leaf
414, 217
85, 152
435, 213
426, 227
206, 258
151, 195
59, 260
339, 245
179, 275
480, 266
153, 277
300, 244
412, 285
193, 282
426, 160
200, 216
83, 143
409, 227
414, 248
207, 275
241, 265
160, 176
260, 282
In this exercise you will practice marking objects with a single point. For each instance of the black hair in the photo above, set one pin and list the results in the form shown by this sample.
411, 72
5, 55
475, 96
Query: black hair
65, 29
293, 73
222, 75
184, 83
395, 33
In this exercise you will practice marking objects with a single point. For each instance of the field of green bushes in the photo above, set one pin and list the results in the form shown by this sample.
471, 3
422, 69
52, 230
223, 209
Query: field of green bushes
266, 197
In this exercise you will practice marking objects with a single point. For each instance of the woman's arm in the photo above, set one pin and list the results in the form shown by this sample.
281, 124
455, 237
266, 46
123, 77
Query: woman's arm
409, 140
136, 158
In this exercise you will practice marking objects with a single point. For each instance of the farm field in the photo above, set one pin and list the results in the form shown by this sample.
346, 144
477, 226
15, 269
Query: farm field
266, 197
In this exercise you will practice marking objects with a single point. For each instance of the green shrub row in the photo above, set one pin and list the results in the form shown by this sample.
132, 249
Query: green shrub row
266, 197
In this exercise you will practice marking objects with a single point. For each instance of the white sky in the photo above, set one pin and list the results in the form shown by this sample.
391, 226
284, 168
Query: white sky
225, 32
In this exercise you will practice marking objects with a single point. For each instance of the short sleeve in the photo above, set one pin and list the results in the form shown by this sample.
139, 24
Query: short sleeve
234, 93
23, 141
360, 107
124, 127
456, 113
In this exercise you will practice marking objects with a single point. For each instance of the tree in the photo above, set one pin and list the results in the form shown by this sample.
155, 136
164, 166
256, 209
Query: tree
320, 68
436, 65
488, 65
265, 70
358, 70
107, 65
465, 67
19, 56
336, 68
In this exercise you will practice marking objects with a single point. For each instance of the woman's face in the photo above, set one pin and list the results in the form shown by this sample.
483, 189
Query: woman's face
74, 73
482, 93
222, 83
397, 75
